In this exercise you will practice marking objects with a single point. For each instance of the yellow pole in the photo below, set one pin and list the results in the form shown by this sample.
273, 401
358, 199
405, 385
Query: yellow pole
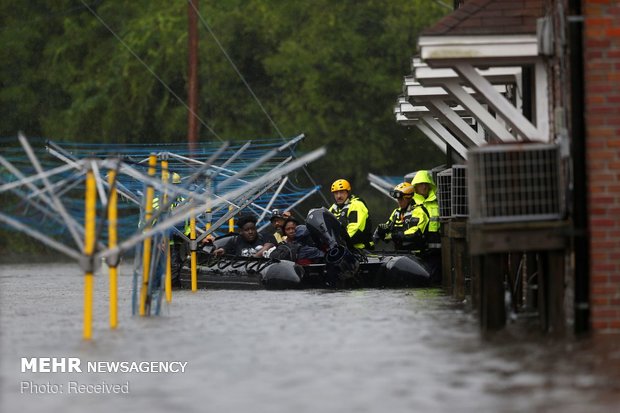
146, 253
209, 217
208, 225
192, 237
89, 249
209, 211
112, 241
231, 221
168, 279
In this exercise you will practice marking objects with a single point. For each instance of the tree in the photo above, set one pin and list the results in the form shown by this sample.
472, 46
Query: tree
329, 69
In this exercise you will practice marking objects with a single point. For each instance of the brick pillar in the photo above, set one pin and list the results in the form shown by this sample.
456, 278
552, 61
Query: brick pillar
602, 99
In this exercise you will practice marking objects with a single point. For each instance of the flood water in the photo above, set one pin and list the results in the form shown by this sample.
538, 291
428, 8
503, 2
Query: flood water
289, 351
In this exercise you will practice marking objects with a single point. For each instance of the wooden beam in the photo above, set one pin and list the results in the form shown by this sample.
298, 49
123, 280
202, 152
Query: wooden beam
499, 103
465, 132
517, 236
432, 136
491, 124
446, 135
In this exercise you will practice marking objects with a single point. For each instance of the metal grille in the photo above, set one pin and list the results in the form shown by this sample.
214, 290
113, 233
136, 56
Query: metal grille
459, 191
514, 183
444, 196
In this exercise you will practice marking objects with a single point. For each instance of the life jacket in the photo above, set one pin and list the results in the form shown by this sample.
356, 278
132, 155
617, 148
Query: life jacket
413, 222
178, 201
353, 215
431, 206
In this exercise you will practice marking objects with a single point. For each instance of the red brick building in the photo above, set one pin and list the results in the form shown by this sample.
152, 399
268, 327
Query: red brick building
601, 75
568, 52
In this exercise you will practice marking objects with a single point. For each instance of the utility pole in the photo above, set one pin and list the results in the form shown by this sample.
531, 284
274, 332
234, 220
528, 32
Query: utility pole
192, 78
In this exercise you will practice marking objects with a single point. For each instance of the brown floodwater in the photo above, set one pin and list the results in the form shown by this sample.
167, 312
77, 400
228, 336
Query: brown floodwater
288, 351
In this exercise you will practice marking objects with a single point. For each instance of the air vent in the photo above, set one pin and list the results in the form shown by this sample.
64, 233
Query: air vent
514, 183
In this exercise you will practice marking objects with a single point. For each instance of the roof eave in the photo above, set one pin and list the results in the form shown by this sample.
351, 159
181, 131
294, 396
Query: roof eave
498, 50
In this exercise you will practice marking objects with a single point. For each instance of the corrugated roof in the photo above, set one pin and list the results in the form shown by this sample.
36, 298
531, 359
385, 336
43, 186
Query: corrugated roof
490, 17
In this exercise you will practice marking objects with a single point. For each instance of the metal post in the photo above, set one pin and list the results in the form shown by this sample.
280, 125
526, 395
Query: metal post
146, 253
168, 278
112, 241
89, 249
192, 237
231, 221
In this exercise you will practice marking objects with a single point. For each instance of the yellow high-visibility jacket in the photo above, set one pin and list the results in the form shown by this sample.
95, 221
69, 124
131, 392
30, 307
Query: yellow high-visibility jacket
432, 206
353, 215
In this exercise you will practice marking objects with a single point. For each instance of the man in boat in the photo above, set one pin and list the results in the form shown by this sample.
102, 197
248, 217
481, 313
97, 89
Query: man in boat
248, 243
352, 213
426, 195
276, 227
407, 225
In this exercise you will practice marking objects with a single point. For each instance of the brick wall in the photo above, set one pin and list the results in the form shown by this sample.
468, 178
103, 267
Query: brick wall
602, 86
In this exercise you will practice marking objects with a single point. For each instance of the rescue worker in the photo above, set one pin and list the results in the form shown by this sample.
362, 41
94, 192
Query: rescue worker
407, 225
176, 179
175, 241
352, 213
177, 244
426, 195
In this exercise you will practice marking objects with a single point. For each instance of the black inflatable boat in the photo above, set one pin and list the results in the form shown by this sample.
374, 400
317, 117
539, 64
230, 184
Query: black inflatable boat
343, 266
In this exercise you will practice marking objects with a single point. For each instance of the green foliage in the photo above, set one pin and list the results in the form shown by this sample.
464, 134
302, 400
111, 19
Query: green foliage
331, 70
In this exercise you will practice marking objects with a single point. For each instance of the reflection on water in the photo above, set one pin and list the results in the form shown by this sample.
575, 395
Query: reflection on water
292, 351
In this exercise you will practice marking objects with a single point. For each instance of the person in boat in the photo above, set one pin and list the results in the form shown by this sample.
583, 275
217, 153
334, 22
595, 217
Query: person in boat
352, 213
276, 227
248, 243
289, 226
308, 252
175, 179
407, 225
287, 248
298, 246
426, 195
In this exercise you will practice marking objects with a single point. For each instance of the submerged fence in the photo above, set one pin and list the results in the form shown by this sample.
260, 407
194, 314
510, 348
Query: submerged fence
96, 202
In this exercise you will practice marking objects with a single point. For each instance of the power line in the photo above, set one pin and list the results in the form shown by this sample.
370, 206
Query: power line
247, 85
152, 71
232, 64
203, 21
441, 3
